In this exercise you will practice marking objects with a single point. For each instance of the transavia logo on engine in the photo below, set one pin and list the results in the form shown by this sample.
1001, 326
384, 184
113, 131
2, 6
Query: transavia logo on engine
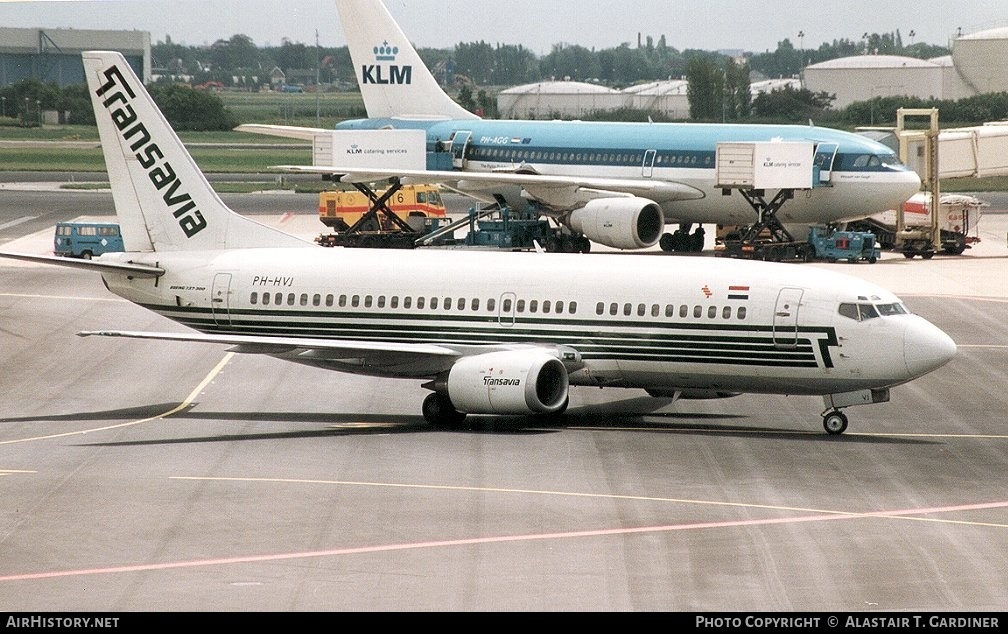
386, 74
489, 380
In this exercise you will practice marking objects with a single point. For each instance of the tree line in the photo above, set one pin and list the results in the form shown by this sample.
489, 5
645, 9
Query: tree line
718, 84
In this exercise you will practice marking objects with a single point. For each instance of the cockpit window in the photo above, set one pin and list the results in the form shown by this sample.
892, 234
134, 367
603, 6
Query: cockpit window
864, 312
892, 309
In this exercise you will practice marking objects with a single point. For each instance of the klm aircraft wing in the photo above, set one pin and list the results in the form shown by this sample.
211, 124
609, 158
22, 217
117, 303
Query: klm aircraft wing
660, 191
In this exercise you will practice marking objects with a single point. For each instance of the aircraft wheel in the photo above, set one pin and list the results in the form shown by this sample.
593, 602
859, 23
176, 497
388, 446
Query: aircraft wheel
439, 411
835, 423
666, 243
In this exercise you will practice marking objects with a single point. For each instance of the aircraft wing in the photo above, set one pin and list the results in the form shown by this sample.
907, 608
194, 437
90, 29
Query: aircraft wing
133, 268
657, 190
397, 359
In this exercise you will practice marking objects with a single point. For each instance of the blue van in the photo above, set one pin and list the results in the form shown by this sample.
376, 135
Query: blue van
86, 239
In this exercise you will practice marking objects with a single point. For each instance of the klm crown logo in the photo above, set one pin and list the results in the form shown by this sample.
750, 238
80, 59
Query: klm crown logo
386, 53
386, 74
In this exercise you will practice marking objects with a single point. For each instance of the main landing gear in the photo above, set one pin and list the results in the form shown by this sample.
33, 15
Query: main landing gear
439, 411
834, 422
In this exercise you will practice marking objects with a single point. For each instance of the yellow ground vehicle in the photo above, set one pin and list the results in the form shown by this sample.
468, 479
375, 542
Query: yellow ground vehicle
343, 210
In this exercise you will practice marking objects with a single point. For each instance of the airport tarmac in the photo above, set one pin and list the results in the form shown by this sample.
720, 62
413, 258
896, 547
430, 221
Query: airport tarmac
154, 476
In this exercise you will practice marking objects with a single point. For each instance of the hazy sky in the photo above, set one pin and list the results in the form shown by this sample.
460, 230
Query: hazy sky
751, 25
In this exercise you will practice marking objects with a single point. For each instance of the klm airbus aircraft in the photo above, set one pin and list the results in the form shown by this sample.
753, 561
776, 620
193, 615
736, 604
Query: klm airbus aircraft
616, 184
483, 331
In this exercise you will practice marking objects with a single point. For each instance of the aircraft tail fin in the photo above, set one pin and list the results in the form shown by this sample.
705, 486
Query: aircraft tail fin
162, 199
393, 80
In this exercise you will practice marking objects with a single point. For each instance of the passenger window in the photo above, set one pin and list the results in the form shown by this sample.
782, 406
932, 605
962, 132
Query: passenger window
697, 311
278, 299
572, 308
506, 306
712, 312
742, 312
669, 310
381, 301
433, 303
559, 307
420, 303
355, 301
316, 300
520, 306
641, 310
546, 306
367, 301
613, 308
627, 309
342, 301
655, 310
683, 311
329, 300
475, 304
266, 299
254, 299
407, 302
534, 306
394, 302
726, 312
304, 299
599, 308
461, 304
290, 299
491, 303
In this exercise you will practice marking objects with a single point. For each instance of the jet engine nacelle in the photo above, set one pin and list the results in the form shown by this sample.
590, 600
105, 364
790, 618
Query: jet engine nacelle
621, 223
512, 382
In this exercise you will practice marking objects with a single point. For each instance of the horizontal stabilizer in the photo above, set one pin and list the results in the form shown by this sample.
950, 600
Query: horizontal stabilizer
132, 268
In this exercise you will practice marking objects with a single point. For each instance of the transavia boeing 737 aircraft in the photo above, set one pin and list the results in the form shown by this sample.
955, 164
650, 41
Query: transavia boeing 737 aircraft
616, 184
484, 331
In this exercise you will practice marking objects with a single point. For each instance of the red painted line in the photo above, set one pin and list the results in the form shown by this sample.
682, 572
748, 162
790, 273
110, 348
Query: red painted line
818, 517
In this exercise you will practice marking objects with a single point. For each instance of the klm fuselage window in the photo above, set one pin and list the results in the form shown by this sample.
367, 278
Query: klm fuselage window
475, 305
599, 308
433, 303
394, 302
316, 300
304, 299
407, 302
491, 303
741, 312
461, 304
506, 306
726, 312
420, 303
278, 298
355, 301
711, 312
342, 301
520, 306
329, 300
266, 299
254, 299
683, 311
381, 301
290, 299
572, 308
697, 311
534, 306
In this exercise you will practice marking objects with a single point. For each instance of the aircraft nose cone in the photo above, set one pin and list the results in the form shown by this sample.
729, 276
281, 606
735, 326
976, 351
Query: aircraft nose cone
926, 347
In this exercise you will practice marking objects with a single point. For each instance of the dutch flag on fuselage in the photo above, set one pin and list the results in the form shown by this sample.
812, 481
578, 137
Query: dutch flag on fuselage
738, 292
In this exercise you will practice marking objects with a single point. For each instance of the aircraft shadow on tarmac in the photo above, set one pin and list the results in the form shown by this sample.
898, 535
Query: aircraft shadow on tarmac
627, 415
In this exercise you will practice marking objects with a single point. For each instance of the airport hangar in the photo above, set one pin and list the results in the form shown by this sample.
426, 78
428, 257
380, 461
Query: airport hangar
54, 55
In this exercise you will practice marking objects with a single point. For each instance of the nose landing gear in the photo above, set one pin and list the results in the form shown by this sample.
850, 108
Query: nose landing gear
834, 422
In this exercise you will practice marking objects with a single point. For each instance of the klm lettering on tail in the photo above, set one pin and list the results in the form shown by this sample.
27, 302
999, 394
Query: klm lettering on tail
150, 156
375, 74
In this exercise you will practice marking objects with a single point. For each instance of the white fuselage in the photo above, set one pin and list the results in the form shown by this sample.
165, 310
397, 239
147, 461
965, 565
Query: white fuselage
659, 323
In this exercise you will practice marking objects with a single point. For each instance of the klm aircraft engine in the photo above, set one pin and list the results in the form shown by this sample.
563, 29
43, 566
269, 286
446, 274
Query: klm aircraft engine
621, 223
515, 382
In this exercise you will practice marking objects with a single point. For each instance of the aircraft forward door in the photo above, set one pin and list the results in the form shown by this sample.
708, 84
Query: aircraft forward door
460, 142
825, 153
220, 299
648, 167
785, 327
